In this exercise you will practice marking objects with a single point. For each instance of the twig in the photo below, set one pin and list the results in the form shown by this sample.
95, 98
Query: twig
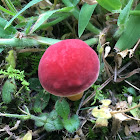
132, 85
100, 88
126, 110
30, 50
131, 117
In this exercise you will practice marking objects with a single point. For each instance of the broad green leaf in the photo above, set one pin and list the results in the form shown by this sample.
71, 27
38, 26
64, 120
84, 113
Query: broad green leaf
123, 17
75, 2
62, 108
7, 33
43, 17
41, 101
53, 125
84, 17
41, 119
8, 89
71, 124
31, 3
53, 122
110, 5
35, 84
131, 33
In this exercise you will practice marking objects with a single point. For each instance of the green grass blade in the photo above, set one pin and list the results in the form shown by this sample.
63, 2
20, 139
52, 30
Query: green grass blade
75, 13
84, 17
10, 13
131, 33
123, 17
7, 33
43, 17
31, 3
11, 6
110, 5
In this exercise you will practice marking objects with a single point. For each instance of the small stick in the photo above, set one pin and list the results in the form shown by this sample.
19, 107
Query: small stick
100, 88
126, 110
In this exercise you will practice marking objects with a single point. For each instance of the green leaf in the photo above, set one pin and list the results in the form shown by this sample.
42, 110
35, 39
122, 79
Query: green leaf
1, 50
35, 84
62, 108
8, 89
41, 101
31, 3
75, 2
135, 112
71, 124
43, 17
41, 119
131, 33
53, 125
7, 33
53, 122
28, 26
123, 17
84, 17
11, 59
110, 5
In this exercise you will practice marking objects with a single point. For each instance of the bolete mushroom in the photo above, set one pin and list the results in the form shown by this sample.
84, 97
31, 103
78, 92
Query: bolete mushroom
68, 68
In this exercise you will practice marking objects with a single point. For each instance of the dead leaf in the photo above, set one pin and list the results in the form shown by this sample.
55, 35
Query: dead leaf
134, 128
121, 105
123, 54
118, 60
121, 117
127, 130
107, 51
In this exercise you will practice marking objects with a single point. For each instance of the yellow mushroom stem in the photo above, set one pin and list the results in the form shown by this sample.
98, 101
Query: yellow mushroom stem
76, 97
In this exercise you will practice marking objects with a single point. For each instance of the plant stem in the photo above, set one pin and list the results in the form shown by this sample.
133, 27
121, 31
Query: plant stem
34, 41
75, 13
24, 117
35, 118
135, 12
16, 42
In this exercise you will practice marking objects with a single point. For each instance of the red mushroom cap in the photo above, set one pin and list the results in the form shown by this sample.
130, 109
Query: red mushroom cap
68, 68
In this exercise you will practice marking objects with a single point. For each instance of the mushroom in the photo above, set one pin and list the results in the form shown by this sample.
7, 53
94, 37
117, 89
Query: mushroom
68, 68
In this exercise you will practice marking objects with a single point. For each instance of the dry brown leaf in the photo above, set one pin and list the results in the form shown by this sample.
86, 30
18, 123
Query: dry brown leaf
107, 51
127, 130
123, 54
121, 105
134, 128
121, 117
118, 60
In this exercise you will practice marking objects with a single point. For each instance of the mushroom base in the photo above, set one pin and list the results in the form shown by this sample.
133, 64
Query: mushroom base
76, 97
